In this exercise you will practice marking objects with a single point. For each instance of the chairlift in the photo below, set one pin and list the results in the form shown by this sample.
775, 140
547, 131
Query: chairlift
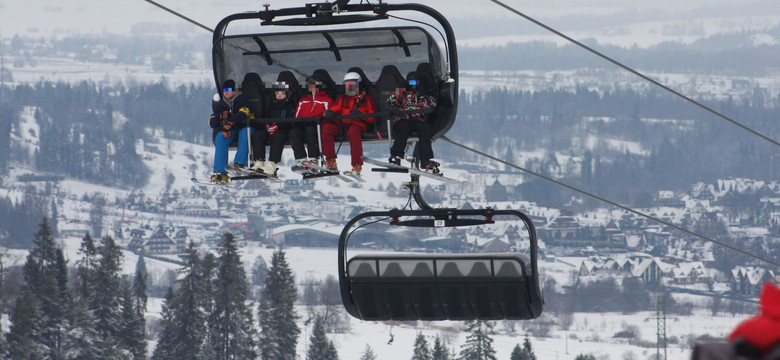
331, 39
464, 286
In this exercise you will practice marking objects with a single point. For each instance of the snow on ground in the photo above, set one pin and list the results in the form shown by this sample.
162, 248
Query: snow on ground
589, 333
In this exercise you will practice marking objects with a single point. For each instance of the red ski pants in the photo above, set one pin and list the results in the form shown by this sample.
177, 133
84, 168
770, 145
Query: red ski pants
329, 133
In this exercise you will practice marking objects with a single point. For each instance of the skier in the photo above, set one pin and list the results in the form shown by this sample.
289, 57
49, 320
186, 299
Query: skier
314, 104
283, 106
354, 101
411, 99
229, 122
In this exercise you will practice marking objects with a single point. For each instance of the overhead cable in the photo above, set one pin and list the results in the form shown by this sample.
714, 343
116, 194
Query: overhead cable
599, 198
180, 15
637, 73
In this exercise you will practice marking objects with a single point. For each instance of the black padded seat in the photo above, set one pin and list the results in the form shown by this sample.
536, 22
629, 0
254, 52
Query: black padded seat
328, 85
289, 78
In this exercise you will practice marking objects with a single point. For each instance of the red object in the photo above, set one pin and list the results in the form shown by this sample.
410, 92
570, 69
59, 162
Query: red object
762, 331
346, 105
329, 132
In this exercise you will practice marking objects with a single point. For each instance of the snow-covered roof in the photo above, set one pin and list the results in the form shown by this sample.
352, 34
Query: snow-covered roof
316, 226
753, 274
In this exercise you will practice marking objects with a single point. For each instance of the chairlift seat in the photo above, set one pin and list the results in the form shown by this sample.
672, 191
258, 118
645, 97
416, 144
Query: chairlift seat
478, 286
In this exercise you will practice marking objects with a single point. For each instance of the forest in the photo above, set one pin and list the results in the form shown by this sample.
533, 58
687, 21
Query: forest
89, 132
89, 311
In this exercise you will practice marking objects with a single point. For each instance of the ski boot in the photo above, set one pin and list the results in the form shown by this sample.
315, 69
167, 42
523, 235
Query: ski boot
395, 160
330, 165
258, 166
220, 178
430, 166
269, 168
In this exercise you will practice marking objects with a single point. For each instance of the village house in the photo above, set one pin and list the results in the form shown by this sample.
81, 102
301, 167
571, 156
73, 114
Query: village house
748, 280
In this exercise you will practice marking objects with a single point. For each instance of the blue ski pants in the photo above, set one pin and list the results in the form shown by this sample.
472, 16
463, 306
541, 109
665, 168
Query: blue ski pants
221, 145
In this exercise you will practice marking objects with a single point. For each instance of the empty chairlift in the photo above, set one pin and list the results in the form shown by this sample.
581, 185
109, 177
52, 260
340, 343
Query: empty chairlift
437, 286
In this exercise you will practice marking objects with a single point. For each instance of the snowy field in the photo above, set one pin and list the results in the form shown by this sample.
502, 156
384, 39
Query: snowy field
589, 332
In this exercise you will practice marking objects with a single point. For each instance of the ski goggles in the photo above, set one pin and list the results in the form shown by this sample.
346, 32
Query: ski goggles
413, 82
227, 89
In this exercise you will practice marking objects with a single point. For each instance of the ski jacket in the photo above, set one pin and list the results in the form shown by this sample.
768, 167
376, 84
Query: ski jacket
281, 109
409, 101
236, 111
346, 104
313, 106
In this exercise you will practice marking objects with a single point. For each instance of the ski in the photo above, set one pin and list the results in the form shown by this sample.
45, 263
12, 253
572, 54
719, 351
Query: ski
307, 173
321, 172
389, 167
301, 170
245, 174
197, 181
353, 176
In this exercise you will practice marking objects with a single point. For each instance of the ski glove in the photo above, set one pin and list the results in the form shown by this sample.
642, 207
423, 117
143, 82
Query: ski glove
227, 125
271, 128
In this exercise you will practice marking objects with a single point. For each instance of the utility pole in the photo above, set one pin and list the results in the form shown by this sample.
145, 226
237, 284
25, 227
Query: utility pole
660, 321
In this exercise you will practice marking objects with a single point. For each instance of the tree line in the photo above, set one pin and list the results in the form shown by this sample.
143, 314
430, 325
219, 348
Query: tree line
89, 132
732, 53
91, 311
86, 312
677, 144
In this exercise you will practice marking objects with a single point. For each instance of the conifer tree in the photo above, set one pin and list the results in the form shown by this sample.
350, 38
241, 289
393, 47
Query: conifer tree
166, 342
368, 353
23, 342
278, 330
105, 301
46, 277
517, 353
233, 333
319, 346
259, 271
139, 285
190, 309
479, 344
86, 266
421, 349
83, 335
439, 350
528, 350
209, 274
131, 331
523, 353
258, 275
585, 357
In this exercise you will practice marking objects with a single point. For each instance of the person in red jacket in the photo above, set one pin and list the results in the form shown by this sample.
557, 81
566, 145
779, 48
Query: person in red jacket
354, 101
314, 104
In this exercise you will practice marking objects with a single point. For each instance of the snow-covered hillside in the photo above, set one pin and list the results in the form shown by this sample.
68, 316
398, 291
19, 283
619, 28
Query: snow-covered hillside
589, 333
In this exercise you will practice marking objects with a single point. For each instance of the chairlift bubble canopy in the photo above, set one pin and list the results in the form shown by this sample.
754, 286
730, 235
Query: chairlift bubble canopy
464, 286
331, 44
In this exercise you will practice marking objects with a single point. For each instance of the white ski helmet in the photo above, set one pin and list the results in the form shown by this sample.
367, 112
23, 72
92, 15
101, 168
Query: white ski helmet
352, 76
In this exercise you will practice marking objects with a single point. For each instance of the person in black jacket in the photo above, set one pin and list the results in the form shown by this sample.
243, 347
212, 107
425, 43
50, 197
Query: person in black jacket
229, 122
283, 106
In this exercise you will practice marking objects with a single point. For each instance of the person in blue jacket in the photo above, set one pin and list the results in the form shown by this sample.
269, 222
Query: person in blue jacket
229, 121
